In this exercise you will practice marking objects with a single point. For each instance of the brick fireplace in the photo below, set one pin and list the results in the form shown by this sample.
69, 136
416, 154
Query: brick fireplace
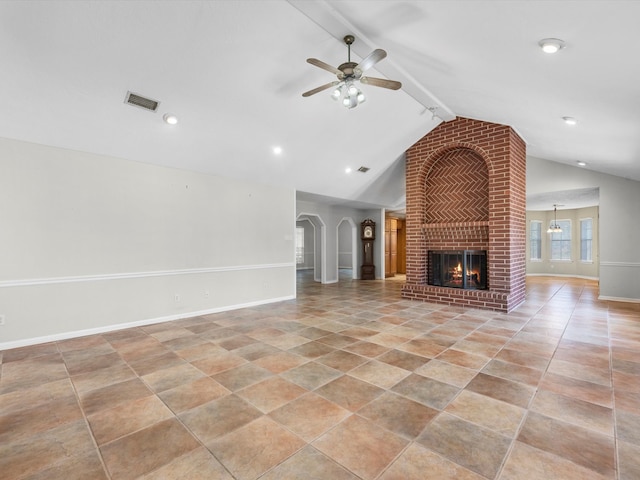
466, 190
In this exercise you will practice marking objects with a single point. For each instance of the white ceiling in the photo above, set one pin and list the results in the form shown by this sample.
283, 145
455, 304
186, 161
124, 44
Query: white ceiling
233, 72
565, 200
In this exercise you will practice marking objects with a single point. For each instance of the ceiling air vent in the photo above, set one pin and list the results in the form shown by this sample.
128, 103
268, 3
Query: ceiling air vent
140, 101
364, 169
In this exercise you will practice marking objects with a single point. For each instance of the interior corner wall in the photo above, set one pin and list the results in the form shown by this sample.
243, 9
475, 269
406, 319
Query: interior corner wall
619, 231
92, 243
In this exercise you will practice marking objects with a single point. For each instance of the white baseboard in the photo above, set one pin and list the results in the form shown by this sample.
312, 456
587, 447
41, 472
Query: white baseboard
140, 323
619, 299
564, 275
600, 297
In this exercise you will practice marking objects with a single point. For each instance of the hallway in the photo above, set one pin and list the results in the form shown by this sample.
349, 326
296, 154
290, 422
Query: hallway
348, 381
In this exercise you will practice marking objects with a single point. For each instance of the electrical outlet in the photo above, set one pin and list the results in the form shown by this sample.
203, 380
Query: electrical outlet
177, 297
1, 319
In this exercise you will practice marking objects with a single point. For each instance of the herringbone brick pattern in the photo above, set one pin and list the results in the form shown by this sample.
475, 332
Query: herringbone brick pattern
457, 189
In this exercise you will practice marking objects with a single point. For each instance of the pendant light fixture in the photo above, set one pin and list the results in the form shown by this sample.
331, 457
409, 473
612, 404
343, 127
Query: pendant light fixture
554, 227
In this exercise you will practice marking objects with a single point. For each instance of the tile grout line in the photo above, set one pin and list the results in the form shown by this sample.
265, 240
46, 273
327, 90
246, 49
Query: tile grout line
84, 415
535, 393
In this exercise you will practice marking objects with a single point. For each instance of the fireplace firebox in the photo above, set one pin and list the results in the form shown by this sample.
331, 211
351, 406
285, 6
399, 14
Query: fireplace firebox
465, 269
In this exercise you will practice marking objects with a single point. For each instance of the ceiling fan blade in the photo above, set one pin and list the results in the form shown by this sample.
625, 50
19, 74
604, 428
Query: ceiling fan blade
381, 82
325, 66
371, 59
319, 89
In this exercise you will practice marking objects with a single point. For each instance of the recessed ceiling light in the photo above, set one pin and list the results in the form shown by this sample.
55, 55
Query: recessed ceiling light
170, 118
277, 150
551, 45
569, 120
347, 170
581, 163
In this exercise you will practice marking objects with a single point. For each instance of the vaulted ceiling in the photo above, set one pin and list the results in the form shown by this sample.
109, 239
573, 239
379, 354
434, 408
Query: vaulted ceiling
233, 73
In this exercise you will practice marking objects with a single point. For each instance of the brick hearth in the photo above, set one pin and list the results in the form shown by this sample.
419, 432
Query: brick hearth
466, 190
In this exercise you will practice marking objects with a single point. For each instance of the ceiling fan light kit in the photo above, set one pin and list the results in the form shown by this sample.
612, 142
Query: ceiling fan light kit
348, 74
350, 95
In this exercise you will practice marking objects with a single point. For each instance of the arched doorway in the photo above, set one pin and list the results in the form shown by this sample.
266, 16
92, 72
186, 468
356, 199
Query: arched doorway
315, 252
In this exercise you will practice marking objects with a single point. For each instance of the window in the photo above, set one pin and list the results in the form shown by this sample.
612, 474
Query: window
586, 240
535, 241
561, 242
299, 245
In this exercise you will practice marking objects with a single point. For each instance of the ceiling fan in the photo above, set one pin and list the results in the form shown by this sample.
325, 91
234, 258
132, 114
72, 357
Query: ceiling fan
350, 72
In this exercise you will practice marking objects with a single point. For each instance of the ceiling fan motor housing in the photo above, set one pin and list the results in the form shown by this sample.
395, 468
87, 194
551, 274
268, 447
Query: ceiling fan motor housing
349, 70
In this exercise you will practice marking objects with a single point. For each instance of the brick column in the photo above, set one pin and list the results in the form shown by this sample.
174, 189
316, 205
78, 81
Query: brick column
466, 189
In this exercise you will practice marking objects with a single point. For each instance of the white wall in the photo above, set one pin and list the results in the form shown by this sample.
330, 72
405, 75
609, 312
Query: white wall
345, 253
619, 231
90, 243
573, 267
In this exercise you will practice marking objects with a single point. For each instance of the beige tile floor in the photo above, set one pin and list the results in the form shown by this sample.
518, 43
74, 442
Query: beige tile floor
348, 381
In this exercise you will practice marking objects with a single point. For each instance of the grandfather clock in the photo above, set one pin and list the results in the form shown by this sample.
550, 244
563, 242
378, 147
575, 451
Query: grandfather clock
368, 236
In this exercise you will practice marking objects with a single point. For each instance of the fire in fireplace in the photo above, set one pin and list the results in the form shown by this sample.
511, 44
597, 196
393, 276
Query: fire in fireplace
458, 269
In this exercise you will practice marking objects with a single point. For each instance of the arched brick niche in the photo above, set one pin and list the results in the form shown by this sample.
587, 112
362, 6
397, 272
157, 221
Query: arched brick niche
466, 190
457, 188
